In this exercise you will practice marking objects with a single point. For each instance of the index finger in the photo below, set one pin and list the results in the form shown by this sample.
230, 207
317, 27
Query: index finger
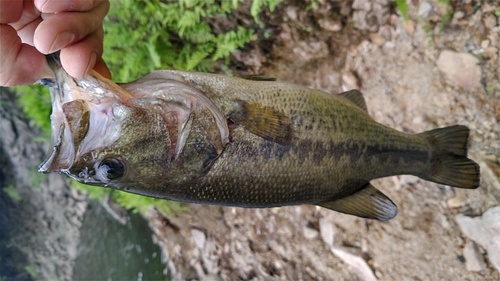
55, 6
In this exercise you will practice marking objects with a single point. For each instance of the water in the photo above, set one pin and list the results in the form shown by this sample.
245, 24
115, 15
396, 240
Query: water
109, 250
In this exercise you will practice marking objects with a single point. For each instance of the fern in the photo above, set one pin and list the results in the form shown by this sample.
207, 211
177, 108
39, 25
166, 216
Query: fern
173, 35
231, 41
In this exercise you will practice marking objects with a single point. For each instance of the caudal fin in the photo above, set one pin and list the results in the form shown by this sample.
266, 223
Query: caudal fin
449, 163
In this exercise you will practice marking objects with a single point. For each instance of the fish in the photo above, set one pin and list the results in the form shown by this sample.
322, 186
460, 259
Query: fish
240, 141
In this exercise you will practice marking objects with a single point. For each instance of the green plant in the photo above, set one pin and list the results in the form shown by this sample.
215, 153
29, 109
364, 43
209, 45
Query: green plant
449, 13
94, 192
490, 88
258, 5
402, 7
13, 194
141, 36
140, 204
35, 102
30, 269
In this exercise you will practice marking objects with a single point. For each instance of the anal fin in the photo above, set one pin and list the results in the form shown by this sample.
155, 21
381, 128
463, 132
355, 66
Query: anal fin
368, 203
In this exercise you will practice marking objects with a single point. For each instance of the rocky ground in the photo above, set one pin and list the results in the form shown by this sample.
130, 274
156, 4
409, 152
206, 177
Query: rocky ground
441, 67
40, 224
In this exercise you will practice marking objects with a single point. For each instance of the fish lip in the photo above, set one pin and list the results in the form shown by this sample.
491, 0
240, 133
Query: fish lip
63, 148
63, 152
46, 166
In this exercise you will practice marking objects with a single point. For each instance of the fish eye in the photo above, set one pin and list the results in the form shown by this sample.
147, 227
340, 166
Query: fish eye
110, 169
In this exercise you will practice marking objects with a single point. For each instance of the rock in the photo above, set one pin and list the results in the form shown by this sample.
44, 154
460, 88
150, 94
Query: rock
473, 259
199, 238
333, 26
490, 52
361, 5
409, 26
311, 50
327, 231
350, 81
310, 233
457, 201
376, 39
484, 230
424, 9
461, 68
485, 44
490, 21
357, 263
291, 13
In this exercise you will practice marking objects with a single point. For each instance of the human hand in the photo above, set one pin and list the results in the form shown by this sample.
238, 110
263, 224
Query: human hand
30, 29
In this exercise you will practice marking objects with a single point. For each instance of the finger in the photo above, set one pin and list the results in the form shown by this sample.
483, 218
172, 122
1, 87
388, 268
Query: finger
62, 29
78, 59
19, 63
26, 31
102, 68
10, 11
27, 22
55, 6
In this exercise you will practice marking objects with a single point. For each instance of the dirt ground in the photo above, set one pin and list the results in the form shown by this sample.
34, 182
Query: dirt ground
340, 45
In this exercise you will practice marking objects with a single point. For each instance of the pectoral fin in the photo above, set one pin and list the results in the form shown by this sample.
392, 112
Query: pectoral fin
263, 121
368, 203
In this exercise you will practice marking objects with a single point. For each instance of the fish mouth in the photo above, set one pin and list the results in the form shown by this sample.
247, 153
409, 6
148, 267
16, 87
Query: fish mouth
83, 111
63, 151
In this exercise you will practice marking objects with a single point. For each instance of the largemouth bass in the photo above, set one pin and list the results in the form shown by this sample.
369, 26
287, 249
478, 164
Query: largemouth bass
214, 139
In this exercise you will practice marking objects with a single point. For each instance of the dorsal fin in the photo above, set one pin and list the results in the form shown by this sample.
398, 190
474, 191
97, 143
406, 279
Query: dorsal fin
258, 78
368, 203
357, 98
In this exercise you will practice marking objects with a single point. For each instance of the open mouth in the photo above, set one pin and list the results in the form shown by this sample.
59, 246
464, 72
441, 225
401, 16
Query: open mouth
73, 127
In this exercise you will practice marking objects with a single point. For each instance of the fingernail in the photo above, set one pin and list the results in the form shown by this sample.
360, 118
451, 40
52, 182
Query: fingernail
46, 6
61, 41
91, 64
39, 4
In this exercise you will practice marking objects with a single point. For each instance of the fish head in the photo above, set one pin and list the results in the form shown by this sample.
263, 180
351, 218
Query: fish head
103, 134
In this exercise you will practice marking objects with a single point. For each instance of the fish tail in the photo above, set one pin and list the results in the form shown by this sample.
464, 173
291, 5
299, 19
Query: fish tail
448, 158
